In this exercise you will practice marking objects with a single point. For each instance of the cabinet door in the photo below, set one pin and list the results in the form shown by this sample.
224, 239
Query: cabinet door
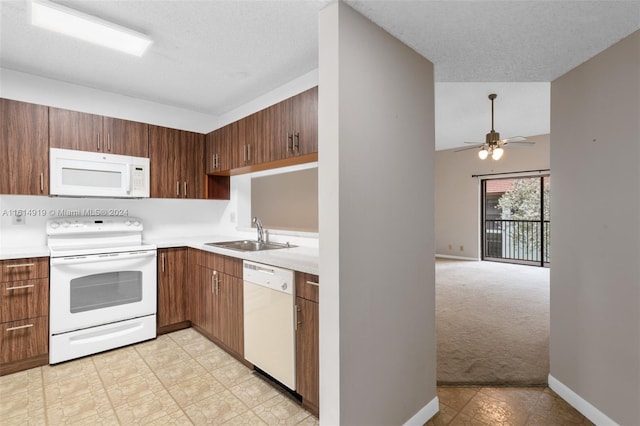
304, 118
229, 319
191, 151
277, 130
165, 162
249, 147
202, 310
125, 137
172, 276
307, 358
75, 130
24, 148
218, 153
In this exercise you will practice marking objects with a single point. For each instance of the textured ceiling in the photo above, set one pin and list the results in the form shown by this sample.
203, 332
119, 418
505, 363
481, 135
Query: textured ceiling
213, 56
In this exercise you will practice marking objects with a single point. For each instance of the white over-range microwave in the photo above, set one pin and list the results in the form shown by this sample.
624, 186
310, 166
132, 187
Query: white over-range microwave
93, 174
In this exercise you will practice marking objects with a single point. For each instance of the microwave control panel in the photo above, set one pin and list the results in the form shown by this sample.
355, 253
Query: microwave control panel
138, 179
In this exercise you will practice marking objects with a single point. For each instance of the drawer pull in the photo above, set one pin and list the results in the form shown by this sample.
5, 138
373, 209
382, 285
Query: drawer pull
312, 283
22, 265
20, 287
19, 327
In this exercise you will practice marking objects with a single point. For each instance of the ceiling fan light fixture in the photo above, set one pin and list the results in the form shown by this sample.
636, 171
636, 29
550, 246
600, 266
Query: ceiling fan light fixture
483, 153
54, 17
497, 153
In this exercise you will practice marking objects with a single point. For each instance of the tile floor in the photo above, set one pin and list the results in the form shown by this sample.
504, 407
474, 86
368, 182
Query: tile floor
184, 379
179, 379
504, 406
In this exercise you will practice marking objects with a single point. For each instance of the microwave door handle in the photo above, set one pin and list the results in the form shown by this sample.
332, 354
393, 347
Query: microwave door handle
127, 178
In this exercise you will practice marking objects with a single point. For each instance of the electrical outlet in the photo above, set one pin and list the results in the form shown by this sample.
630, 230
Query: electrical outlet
17, 220
450, 247
461, 248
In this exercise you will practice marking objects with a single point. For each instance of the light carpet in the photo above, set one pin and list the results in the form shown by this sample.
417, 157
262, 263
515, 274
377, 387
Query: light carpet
492, 323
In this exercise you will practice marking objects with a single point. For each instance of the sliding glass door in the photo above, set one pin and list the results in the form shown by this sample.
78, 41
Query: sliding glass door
515, 220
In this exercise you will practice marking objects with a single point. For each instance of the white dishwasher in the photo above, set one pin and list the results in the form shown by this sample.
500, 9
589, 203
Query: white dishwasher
269, 321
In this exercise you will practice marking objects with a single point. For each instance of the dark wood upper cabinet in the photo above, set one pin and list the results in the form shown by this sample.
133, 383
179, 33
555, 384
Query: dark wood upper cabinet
24, 148
177, 163
218, 151
126, 137
95, 133
304, 122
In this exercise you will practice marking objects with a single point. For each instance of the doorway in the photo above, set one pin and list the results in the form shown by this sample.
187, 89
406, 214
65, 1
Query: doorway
516, 224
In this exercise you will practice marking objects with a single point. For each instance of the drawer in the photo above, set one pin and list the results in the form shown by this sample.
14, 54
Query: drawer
233, 266
212, 261
24, 339
307, 286
24, 299
24, 269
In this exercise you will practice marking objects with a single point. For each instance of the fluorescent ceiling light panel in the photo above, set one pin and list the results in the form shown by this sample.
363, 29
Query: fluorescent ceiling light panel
55, 17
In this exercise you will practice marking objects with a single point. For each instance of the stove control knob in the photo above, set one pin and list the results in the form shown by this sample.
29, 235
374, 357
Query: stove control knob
136, 223
284, 286
54, 225
65, 224
128, 223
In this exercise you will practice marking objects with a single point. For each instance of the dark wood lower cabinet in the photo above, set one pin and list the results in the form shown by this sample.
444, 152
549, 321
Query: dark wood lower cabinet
216, 300
307, 342
24, 314
172, 297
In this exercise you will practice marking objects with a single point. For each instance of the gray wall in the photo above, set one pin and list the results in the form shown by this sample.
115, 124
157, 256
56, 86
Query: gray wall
458, 194
287, 200
377, 330
595, 274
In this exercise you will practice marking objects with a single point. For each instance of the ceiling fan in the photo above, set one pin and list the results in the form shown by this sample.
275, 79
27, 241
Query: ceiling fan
493, 145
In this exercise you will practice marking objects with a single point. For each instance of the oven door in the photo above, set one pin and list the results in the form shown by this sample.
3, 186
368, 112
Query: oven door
91, 290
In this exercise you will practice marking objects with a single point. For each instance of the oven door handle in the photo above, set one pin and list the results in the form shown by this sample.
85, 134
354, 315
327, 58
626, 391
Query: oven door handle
106, 257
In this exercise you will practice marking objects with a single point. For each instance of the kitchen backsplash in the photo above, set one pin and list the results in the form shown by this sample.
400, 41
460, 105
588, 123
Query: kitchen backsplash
162, 217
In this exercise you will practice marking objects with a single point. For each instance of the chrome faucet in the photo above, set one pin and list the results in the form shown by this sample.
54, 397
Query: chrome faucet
260, 229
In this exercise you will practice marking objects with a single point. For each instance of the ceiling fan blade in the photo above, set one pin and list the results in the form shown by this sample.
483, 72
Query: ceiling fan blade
514, 139
524, 142
478, 145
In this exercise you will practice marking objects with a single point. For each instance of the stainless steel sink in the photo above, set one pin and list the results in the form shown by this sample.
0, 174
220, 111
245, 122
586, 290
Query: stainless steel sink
249, 245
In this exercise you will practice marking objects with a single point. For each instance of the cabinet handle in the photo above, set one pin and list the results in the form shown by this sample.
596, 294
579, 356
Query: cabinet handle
213, 282
296, 144
98, 141
41, 182
20, 287
312, 283
21, 265
19, 327
185, 189
248, 153
213, 162
162, 262
108, 142
295, 315
244, 154
177, 188
289, 142
217, 161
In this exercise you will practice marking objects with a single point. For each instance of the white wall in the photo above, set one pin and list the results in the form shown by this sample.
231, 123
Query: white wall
162, 217
595, 195
457, 205
376, 130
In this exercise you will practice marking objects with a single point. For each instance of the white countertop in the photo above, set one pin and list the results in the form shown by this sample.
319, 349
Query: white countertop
23, 252
303, 259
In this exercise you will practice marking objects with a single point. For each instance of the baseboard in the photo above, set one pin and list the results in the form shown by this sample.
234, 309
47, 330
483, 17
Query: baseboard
425, 413
579, 403
446, 256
